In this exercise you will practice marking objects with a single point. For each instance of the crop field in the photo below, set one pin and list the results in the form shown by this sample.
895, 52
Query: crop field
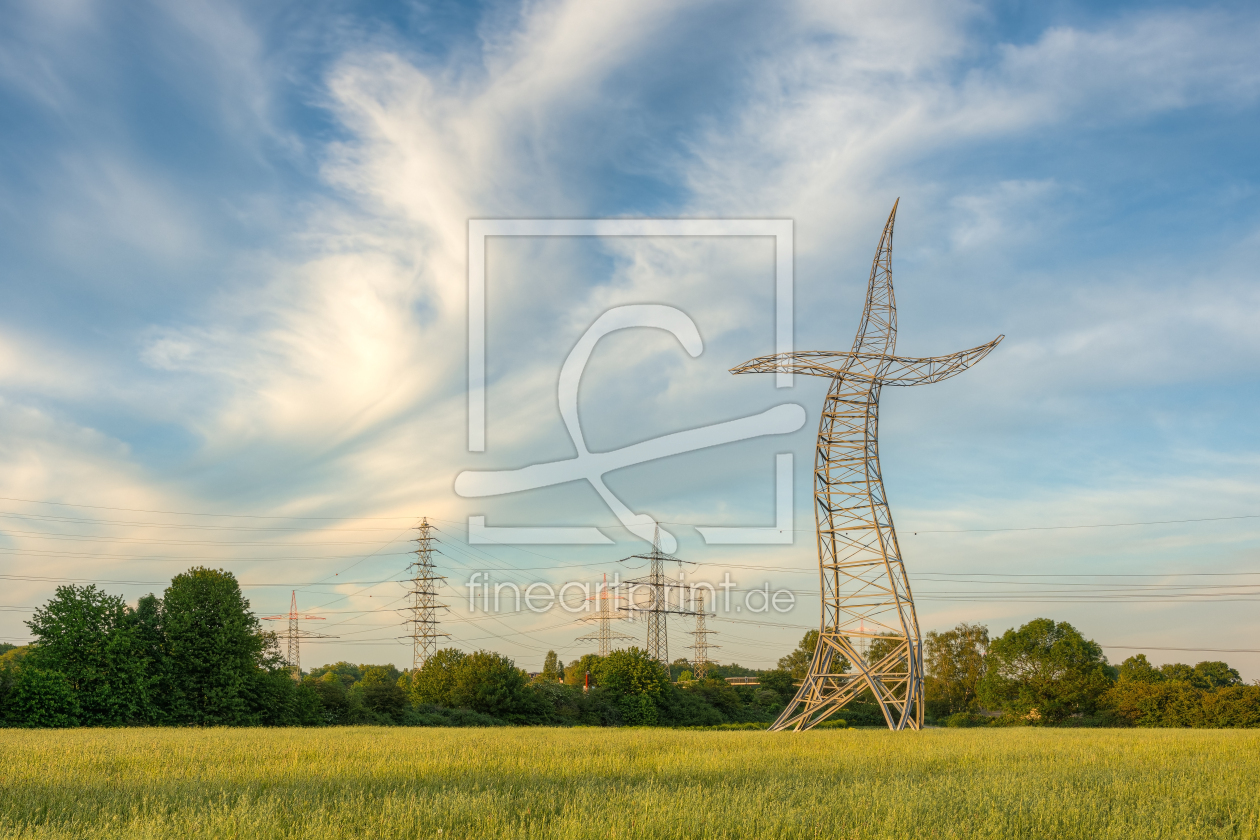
578, 783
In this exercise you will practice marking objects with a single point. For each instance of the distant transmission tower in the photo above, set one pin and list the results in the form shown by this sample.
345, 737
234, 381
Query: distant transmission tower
424, 604
294, 634
700, 655
658, 603
606, 614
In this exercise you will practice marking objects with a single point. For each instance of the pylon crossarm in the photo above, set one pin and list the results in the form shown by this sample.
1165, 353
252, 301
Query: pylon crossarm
869, 367
906, 371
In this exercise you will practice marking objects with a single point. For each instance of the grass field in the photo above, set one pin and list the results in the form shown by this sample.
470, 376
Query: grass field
540, 783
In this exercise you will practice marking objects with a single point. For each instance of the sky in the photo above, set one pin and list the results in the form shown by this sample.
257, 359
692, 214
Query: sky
234, 302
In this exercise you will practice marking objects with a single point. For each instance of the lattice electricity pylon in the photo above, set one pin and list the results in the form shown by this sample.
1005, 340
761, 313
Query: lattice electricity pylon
296, 633
658, 599
863, 577
606, 614
701, 646
424, 604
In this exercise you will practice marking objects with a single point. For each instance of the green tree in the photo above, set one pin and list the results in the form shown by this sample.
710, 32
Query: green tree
1179, 672
553, 668
632, 672
434, 682
797, 662
719, 694
88, 636
381, 692
490, 683
954, 661
42, 699
1205, 675
1044, 672
1213, 675
330, 693
347, 672
637, 682
575, 672
215, 648
780, 682
1138, 669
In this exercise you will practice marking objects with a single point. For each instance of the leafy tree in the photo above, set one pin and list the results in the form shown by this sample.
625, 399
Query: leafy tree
954, 661
42, 699
719, 694
347, 672
732, 670
215, 648
1138, 669
780, 682
553, 668
5, 647
87, 636
491, 684
881, 646
686, 676
1179, 672
1205, 675
1044, 672
434, 682
768, 697
330, 692
638, 682
797, 662
677, 667
575, 672
632, 672
8, 675
1212, 675
381, 691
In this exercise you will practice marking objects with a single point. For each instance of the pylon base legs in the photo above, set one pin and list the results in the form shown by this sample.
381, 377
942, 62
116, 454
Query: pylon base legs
895, 683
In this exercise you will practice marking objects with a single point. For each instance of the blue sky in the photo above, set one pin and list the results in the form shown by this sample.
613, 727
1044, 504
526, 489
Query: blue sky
233, 265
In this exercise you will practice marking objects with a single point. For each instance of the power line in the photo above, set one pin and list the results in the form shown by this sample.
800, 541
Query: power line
194, 513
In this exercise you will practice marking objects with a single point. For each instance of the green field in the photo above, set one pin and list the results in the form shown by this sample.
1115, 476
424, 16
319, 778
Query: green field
528, 783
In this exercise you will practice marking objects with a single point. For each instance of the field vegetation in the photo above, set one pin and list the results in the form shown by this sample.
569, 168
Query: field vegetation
197, 656
628, 783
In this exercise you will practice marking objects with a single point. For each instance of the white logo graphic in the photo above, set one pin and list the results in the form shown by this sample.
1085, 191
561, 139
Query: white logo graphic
592, 466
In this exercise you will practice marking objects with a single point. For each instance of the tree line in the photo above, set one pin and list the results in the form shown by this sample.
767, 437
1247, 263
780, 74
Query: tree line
198, 656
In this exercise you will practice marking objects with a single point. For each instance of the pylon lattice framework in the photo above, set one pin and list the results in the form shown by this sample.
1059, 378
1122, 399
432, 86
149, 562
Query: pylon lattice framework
605, 614
862, 575
294, 634
700, 648
424, 604
658, 602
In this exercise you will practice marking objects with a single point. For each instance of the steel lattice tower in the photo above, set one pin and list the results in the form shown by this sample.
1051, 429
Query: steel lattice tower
658, 601
424, 603
294, 634
700, 657
862, 574
606, 614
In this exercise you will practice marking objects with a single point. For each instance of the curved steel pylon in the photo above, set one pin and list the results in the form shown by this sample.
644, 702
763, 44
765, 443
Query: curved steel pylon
865, 591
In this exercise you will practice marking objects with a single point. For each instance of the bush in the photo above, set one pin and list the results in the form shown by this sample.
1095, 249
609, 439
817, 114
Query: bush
962, 720
42, 699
